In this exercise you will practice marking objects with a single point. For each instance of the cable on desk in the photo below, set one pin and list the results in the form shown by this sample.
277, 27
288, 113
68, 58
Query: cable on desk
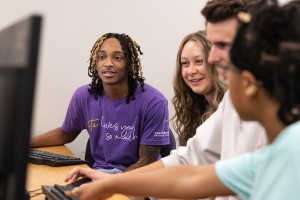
36, 194
34, 190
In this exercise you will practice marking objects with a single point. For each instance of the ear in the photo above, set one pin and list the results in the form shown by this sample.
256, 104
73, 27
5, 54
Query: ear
249, 82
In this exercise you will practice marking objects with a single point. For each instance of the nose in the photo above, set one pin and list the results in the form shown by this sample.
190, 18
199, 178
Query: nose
108, 62
213, 55
192, 69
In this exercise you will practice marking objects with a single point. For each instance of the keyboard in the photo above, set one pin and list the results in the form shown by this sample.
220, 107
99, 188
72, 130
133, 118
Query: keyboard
57, 192
52, 159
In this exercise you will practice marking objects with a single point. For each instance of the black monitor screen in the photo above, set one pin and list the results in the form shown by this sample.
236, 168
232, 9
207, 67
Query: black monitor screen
19, 45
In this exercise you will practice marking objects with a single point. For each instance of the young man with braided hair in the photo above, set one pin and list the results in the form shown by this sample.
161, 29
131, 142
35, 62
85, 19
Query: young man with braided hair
127, 119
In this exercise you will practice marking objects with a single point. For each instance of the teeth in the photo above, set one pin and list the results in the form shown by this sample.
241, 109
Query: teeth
196, 80
108, 72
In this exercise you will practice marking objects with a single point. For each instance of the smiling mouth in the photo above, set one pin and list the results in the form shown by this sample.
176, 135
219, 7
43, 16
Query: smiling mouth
196, 80
108, 74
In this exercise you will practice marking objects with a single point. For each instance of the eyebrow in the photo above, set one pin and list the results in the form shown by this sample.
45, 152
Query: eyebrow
194, 57
102, 51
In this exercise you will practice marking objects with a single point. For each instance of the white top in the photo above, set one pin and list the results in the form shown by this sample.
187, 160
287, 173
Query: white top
223, 135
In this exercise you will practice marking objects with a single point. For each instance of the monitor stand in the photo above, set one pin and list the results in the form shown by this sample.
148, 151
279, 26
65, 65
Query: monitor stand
26, 195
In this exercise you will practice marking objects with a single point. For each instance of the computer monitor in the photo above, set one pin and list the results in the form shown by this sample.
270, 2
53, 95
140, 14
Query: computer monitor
19, 44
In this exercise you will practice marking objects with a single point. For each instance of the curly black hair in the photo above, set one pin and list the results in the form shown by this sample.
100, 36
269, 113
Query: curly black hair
269, 47
131, 51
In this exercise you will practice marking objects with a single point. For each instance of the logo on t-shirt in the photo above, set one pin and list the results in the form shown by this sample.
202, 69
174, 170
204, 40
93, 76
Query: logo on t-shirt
161, 134
93, 124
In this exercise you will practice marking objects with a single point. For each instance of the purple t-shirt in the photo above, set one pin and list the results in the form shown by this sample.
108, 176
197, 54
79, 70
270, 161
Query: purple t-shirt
116, 128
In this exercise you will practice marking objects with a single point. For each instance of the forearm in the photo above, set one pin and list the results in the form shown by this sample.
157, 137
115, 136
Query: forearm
180, 182
147, 155
52, 138
153, 166
135, 166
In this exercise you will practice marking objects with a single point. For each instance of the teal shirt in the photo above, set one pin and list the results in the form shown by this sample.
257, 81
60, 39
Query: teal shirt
272, 173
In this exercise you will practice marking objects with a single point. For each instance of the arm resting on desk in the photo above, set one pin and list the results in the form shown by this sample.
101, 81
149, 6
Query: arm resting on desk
52, 138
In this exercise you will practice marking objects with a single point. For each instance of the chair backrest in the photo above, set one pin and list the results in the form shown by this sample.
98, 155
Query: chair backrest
88, 154
165, 150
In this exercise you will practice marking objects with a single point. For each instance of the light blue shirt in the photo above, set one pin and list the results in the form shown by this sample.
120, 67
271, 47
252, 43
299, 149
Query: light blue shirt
269, 174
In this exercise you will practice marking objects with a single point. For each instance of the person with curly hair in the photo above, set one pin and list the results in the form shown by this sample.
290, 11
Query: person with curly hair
197, 89
126, 119
264, 86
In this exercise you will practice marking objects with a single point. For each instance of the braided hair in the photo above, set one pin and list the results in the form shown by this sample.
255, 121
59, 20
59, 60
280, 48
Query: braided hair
131, 51
269, 47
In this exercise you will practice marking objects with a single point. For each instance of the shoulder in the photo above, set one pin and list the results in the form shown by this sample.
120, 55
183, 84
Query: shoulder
82, 91
82, 88
293, 128
150, 93
289, 138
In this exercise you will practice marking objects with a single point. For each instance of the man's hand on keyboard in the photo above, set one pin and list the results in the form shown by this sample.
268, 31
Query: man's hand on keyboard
79, 172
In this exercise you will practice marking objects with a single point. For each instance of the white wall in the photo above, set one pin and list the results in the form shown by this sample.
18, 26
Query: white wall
70, 28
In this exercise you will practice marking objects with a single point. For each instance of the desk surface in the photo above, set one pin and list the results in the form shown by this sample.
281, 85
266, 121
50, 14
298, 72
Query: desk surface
38, 175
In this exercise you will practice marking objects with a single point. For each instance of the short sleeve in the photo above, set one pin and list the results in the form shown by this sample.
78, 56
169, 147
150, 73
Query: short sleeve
156, 124
238, 173
73, 122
